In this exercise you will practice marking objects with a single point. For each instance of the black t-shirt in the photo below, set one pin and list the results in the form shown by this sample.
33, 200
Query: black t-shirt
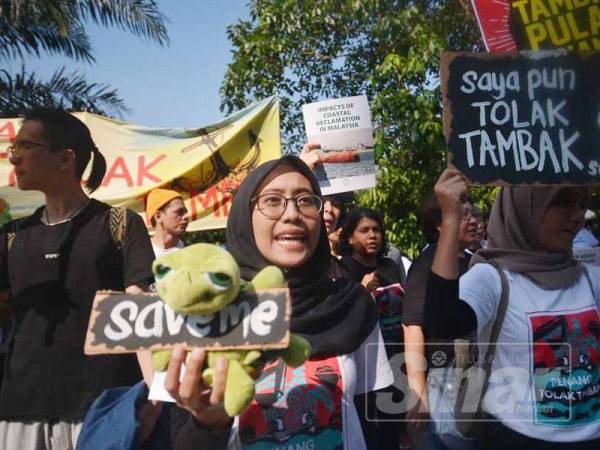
387, 270
414, 304
388, 298
416, 284
336, 270
53, 273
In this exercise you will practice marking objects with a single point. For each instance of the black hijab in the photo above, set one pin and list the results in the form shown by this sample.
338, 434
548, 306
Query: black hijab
334, 316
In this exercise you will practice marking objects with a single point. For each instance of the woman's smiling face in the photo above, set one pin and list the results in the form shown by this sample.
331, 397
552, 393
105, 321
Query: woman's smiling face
290, 240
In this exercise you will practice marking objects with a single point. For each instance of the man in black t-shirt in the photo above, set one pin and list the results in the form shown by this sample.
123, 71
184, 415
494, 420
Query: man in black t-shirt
51, 265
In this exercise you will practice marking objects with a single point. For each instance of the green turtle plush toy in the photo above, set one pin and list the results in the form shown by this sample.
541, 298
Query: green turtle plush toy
202, 279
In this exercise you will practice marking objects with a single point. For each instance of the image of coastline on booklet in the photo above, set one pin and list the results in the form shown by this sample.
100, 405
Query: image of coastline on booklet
343, 129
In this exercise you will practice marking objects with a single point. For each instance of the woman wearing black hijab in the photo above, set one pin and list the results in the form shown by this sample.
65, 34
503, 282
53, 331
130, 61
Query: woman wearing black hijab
276, 219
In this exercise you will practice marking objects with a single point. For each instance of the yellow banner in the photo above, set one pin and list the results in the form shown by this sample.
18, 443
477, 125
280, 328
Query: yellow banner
206, 164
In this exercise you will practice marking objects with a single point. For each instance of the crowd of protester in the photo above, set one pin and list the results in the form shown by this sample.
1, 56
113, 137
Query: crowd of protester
385, 332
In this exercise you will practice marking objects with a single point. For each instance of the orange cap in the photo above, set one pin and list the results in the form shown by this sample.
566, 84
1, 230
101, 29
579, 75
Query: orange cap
157, 198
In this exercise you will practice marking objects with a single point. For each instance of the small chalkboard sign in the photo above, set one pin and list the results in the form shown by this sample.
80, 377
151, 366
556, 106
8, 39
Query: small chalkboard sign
125, 323
525, 118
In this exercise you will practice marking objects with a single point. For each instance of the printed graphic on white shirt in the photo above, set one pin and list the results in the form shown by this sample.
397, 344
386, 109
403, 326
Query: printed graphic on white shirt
295, 408
566, 363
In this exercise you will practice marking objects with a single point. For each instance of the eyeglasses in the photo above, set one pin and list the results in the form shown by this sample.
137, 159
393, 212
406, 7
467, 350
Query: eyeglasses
273, 205
16, 150
467, 214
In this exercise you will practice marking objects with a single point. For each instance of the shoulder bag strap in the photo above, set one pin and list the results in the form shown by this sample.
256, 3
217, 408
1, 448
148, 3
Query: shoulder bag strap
497, 326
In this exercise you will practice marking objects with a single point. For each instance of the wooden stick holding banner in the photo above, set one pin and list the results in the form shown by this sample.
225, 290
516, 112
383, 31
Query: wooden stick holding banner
529, 118
126, 323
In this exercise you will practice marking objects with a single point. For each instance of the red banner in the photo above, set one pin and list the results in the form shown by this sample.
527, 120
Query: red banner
492, 16
508, 25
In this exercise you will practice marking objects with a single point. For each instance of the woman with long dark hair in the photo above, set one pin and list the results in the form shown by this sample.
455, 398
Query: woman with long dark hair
364, 246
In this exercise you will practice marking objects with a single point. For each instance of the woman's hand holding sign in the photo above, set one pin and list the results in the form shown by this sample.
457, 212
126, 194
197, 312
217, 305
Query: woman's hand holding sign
451, 192
310, 154
205, 404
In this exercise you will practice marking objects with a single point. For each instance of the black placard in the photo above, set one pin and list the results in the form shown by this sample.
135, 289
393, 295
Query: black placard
523, 118
123, 323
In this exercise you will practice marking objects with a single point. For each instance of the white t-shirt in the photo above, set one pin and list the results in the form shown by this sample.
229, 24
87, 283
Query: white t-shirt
312, 406
585, 239
540, 386
159, 251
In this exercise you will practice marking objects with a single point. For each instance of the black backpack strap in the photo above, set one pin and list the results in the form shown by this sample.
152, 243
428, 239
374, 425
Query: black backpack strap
118, 225
10, 237
11, 232
7, 306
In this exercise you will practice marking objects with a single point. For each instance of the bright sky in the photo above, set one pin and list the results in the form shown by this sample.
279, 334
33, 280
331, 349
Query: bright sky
174, 86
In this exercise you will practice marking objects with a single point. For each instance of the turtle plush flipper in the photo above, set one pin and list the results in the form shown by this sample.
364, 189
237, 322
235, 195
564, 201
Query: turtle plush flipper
297, 351
267, 278
239, 389
160, 359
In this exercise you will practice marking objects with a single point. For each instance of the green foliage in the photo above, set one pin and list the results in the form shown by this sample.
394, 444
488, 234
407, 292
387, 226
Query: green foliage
69, 91
59, 27
483, 198
206, 236
30, 27
386, 49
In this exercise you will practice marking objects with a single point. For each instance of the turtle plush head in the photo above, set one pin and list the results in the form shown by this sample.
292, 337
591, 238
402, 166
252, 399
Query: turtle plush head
198, 280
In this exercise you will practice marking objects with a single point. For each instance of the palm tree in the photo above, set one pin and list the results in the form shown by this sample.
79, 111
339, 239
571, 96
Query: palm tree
26, 27
58, 27
69, 91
